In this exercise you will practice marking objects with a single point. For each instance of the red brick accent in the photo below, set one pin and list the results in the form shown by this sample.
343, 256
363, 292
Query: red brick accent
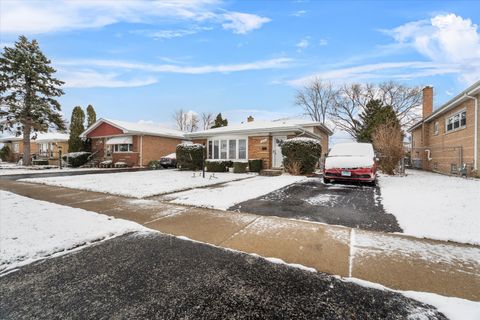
130, 158
261, 148
104, 129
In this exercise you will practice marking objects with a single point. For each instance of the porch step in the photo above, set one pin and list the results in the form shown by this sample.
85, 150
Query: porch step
271, 172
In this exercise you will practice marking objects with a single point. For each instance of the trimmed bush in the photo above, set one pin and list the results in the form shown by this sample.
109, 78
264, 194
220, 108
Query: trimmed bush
240, 167
255, 165
154, 165
302, 154
5, 154
76, 159
40, 162
190, 156
217, 166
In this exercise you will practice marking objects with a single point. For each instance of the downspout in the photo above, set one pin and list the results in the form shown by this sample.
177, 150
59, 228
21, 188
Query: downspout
141, 150
475, 137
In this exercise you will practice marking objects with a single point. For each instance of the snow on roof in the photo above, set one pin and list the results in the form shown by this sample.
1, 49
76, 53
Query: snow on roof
139, 127
41, 137
278, 125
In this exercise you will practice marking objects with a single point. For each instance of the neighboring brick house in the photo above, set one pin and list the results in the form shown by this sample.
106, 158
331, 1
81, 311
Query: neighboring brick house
43, 145
447, 140
136, 144
258, 140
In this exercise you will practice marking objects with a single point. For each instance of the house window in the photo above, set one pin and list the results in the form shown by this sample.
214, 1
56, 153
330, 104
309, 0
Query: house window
456, 121
435, 128
126, 147
223, 149
227, 149
242, 149
232, 149
16, 147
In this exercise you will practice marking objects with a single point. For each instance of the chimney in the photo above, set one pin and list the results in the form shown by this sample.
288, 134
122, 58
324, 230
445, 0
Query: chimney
427, 102
250, 119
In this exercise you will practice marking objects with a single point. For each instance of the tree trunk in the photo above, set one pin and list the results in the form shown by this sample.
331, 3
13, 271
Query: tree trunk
26, 146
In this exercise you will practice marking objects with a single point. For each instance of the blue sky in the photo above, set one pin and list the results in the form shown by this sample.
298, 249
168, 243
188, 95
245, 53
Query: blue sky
141, 60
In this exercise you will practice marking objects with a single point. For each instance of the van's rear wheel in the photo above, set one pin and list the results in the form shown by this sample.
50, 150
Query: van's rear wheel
326, 180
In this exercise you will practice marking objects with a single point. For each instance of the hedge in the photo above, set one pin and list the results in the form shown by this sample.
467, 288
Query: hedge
40, 162
240, 167
5, 154
76, 159
217, 166
154, 164
302, 152
255, 165
190, 156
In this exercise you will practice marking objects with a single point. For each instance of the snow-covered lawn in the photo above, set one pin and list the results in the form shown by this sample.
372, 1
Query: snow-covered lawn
32, 229
7, 168
233, 192
140, 184
434, 206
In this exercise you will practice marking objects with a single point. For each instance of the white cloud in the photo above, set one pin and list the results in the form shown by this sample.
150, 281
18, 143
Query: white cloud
34, 17
322, 42
92, 79
392, 70
444, 39
299, 13
275, 63
242, 23
303, 43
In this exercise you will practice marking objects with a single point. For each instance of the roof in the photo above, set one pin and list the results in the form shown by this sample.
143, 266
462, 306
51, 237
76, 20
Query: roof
137, 128
41, 137
452, 103
261, 127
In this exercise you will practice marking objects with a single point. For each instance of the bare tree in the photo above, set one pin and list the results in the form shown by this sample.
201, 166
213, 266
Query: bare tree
207, 120
351, 99
388, 142
186, 121
317, 98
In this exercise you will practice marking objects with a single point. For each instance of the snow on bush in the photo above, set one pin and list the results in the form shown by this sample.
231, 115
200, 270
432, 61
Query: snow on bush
76, 159
75, 154
301, 155
190, 156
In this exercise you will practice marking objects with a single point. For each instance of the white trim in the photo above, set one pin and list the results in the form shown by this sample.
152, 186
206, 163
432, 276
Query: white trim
226, 138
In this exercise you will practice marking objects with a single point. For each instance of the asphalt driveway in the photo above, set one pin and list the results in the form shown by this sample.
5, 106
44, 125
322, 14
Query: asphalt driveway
351, 205
154, 276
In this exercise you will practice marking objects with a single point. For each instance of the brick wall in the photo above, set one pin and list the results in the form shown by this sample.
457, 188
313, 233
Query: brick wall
156, 147
261, 148
130, 158
446, 148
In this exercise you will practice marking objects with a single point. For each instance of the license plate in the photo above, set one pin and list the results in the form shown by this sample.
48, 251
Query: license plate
346, 174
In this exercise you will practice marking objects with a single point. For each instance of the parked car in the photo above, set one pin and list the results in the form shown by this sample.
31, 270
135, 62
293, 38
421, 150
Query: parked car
351, 162
169, 161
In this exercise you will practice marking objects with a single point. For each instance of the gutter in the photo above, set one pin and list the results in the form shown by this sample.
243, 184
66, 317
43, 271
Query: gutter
475, 137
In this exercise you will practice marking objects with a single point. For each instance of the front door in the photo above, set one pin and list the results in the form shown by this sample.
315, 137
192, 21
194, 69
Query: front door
277, 157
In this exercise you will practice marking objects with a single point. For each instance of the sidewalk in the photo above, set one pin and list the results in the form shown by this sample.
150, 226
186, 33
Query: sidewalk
394, 260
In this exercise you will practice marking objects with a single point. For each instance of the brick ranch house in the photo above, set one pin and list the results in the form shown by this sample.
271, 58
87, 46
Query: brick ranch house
43, 145
132, 143
447, 140
257, 140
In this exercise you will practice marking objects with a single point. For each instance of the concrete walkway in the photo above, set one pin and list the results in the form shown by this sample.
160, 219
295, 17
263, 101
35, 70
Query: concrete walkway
396, 261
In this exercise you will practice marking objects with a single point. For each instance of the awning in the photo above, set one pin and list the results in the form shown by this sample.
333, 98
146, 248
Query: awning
120, 140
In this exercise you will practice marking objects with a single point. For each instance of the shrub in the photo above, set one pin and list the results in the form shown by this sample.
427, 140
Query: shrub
76, 159
190, 156
388, 142
5, 154
40, 162
217, 166
301, 152
154, 164
294, 168
255, 165
240, 167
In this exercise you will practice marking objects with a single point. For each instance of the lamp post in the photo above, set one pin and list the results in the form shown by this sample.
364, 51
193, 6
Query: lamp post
60, 157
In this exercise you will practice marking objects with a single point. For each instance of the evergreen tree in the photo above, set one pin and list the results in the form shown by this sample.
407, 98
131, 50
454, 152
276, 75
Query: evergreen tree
91, 115
219, 122
75, 143
373, 115
28, 92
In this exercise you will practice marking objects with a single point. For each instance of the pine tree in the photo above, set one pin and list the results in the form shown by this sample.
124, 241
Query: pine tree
91, 115
373, 115
28, 92
75, 143
220, 122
